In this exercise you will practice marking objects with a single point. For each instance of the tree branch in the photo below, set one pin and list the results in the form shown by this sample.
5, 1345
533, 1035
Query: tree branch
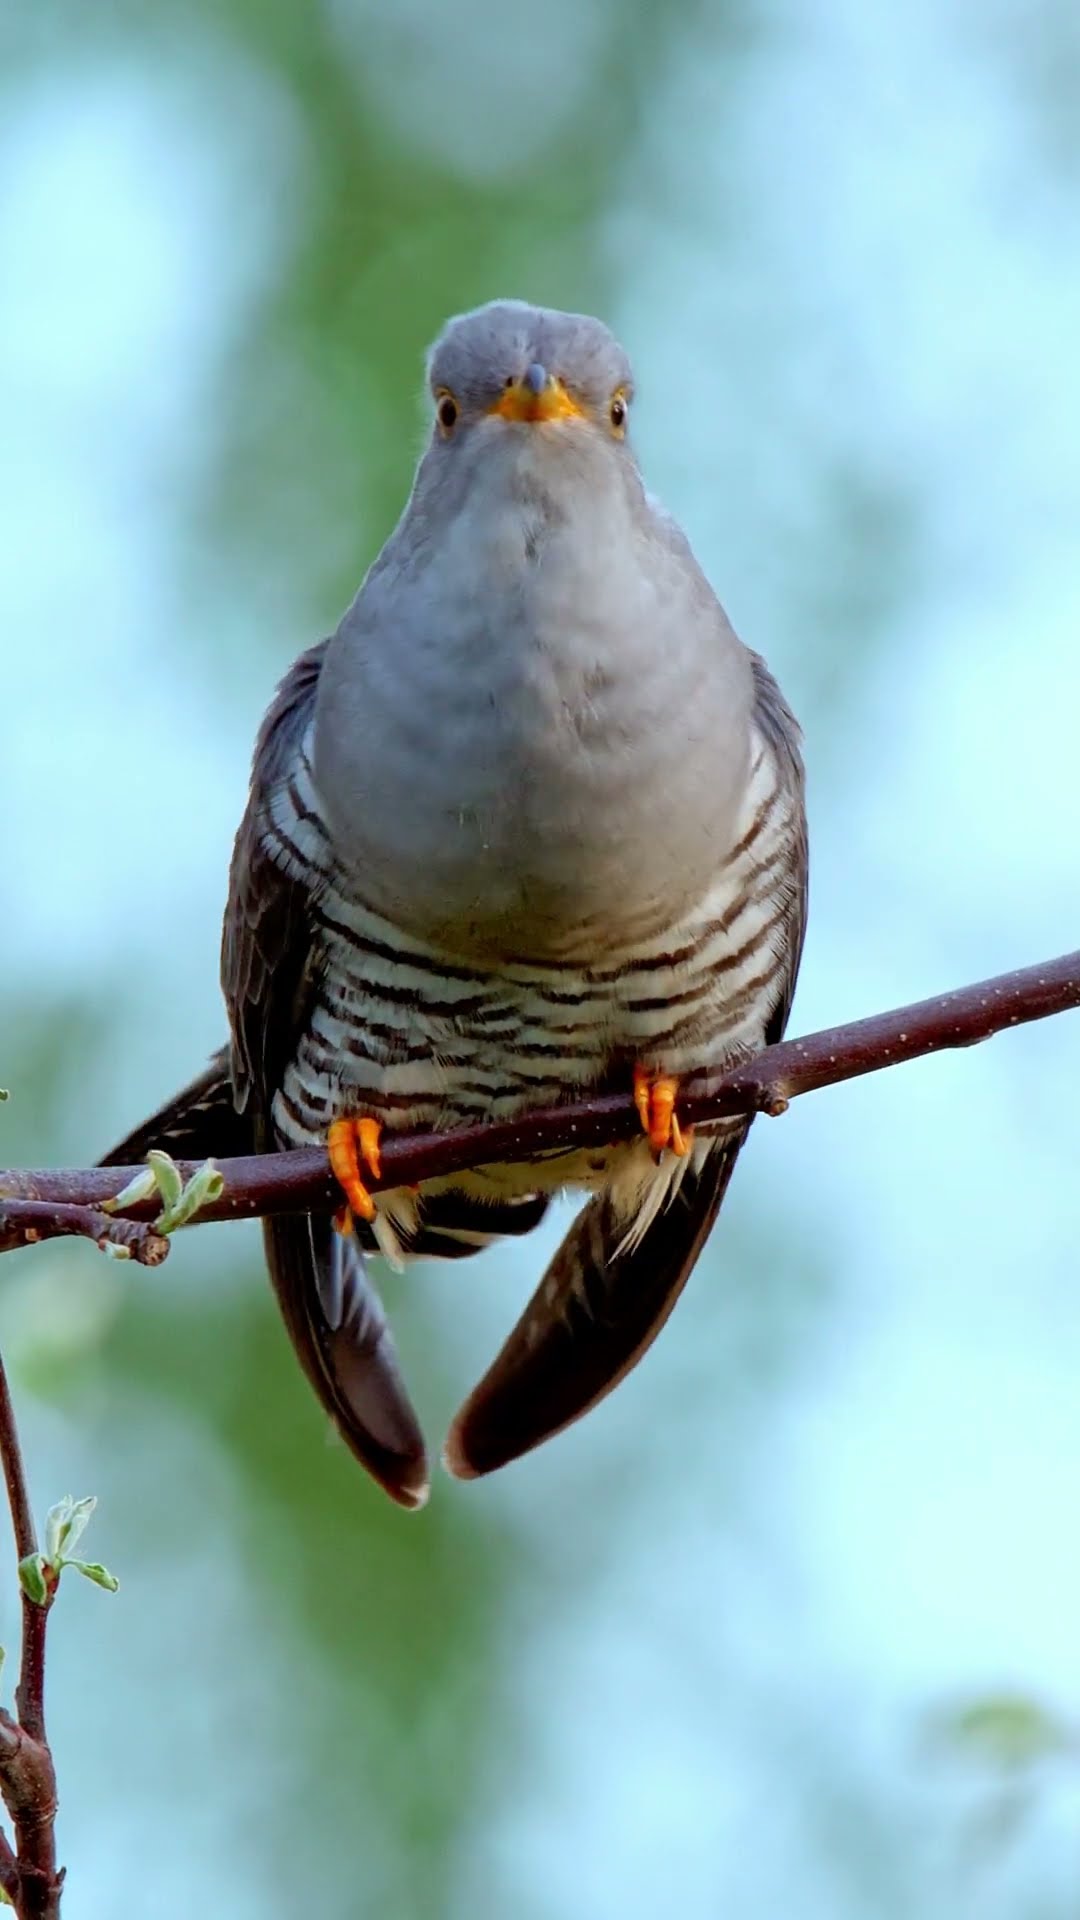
37, 1205
24, 1222
301, 1181
27, 1779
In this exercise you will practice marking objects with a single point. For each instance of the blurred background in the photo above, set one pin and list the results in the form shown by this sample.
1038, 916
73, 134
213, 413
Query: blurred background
790, 1625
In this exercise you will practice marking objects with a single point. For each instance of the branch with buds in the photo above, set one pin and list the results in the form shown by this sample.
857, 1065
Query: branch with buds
131, 1211
30, 1880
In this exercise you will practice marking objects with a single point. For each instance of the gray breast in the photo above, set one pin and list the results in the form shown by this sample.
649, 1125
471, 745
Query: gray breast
429, 1040
539, 740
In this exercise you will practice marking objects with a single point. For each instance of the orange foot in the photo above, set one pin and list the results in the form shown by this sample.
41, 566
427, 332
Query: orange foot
654, 1097
350, 1143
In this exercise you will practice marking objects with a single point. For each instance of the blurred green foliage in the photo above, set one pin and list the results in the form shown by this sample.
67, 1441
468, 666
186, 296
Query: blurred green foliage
316, 433
355, 1716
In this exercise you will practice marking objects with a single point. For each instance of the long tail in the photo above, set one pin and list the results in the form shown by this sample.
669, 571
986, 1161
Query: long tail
598, 1308
337, 1325
332, 1312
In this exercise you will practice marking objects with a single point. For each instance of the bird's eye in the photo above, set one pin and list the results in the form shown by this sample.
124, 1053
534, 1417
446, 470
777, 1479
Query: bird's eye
617, 413
446, 410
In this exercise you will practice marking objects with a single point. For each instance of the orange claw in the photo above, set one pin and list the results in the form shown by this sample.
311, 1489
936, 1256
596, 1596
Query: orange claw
349, 1144
654, 1098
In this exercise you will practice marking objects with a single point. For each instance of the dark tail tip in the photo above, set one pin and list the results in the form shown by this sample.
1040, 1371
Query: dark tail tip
406, 1480
597, 1310
456, 1457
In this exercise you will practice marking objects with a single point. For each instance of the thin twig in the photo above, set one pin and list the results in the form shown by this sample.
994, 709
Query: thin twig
22, 1519
39, 1204
24, 1222
301, 1181
27, 1779
9, 1869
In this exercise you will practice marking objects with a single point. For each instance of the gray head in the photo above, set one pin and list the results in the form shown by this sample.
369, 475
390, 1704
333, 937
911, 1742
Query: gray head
509, 368
535, 686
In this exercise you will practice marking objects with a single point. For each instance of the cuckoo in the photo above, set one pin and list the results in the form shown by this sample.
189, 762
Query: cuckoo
529, 825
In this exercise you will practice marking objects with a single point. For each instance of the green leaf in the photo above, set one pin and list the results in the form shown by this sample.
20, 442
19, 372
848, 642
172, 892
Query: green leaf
55, 1523
166, 1176
65, 1525
1008, 1731
93, 1570
206, 1183
32, 1579
141, 1188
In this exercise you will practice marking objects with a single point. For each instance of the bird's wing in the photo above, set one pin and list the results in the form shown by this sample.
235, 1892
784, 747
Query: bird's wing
776, 722
265, 954
269, 961
602, 1301
198, 1123
267, 950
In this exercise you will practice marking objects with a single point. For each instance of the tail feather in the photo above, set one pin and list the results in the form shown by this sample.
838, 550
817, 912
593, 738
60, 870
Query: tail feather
337, 1325
597, 1310
451, 1226
332, 1312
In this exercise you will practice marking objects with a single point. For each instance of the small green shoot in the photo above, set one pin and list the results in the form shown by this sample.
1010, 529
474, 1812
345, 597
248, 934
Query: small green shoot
181, 1200
65, 1524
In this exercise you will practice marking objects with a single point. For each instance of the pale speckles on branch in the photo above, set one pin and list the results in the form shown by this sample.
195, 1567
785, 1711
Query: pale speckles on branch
31, 1211
302, 1181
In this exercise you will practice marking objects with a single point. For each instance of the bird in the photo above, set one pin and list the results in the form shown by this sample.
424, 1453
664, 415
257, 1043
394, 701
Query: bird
528, 826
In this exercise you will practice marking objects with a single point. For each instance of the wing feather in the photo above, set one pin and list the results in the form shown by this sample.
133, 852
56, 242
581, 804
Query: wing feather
269, 969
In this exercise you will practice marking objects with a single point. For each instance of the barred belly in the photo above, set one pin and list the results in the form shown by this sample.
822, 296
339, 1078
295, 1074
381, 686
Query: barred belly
423, 1041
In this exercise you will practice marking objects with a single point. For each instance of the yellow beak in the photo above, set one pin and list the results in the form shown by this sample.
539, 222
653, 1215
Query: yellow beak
538, 395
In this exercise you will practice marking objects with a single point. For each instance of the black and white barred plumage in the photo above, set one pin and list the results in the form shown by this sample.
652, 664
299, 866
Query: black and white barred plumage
580, 848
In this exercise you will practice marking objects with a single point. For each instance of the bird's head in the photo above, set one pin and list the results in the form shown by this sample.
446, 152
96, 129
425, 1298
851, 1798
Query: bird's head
512, 380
